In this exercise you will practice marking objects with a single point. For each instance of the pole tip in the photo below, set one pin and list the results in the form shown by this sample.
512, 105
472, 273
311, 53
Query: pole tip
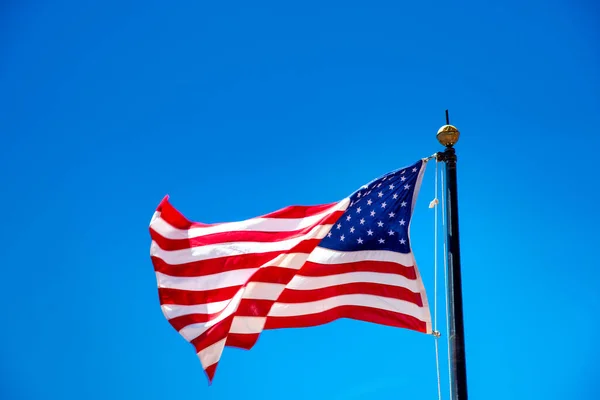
448, 135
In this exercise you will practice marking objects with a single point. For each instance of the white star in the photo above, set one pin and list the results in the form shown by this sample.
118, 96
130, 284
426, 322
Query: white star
395, 196
370, 232
352, 230
383, 204
362, 221
402, 222
360, 241
372, 213
329, 234
403, 171
392, 214
358, 195
348, 218
414, 169
379, 185
403, 204
342, 238
402, 178
384, 178
402, 241
392, 187
380, 194
369, 202
380, 224
339, 226
407, 186
358, 210
391, 232
382, 241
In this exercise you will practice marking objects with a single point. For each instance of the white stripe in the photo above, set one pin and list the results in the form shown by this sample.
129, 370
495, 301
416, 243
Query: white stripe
207, 282
175, 310
155, 217
211, 251
318, 282
322, 255
290, 261
168, 231
211, 354
225, 279
247, 324
364, 300
192, 331
263, 291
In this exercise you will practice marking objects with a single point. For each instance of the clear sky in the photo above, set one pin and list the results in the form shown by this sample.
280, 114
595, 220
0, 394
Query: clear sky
236, 109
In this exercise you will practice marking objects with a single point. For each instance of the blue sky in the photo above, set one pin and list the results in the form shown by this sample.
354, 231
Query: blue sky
236, 110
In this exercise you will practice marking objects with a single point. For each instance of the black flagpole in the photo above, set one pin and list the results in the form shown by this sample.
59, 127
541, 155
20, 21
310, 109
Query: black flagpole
448, 136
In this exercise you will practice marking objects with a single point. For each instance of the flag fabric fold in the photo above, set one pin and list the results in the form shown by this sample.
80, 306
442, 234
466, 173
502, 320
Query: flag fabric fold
222, 284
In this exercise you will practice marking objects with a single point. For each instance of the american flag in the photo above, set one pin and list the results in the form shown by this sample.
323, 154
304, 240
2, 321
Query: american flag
223, 284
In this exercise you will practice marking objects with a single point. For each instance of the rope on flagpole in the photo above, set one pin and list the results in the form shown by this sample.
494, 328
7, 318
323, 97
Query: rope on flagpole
436, 334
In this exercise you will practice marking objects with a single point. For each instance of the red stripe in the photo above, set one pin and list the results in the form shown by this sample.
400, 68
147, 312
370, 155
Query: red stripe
174, 217
377, 289
213, 266
237, 236
316, 269
190, 297
242, 340
246, 308
368, 314
273, 275
213, 334
179, 221
210, 372
299, 211
229, 263
184, 320
254, 308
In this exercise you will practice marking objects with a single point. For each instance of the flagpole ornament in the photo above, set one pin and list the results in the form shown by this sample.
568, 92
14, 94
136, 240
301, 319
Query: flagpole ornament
448, 136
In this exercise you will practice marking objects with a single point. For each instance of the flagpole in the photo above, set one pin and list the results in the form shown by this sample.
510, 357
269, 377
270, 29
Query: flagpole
448, 136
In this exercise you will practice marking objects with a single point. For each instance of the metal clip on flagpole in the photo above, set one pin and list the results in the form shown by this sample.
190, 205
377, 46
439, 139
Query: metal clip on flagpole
448, 136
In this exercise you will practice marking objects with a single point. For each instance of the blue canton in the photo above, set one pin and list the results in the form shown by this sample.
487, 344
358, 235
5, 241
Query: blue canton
378, 216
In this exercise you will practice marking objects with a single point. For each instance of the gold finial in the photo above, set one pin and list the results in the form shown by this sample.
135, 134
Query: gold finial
448, 135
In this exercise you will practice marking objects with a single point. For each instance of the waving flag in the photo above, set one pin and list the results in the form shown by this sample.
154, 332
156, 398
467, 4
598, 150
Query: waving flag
223, 284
